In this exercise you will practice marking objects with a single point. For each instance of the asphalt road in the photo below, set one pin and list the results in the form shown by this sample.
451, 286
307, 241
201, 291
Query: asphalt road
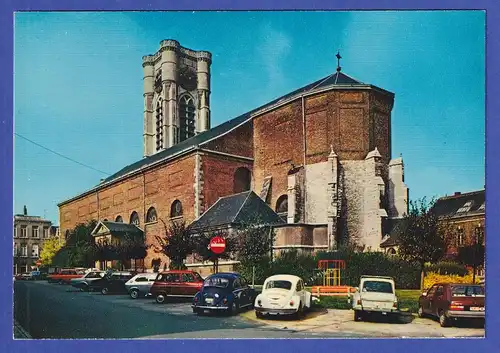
60, 311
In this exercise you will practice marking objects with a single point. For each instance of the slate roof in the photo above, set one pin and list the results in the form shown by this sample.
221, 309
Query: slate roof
396, 227
118, 228
242, 208
339, 79
449, 206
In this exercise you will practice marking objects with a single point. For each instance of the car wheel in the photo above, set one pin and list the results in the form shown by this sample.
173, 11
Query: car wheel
259, 315
300, 312
358, 315
104, 291
160, 298
233, 309
197, 311
443, 320
420, 312
134, 294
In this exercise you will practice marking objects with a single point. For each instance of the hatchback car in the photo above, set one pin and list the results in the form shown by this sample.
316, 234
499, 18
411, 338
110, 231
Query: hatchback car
140, 284
450, 302
113, 282
83, 283
176, 283
375, 294
223, 292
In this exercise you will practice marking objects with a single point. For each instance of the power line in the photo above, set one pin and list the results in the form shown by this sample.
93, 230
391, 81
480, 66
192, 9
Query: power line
60, 155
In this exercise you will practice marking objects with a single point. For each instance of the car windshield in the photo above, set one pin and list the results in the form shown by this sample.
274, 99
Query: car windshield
220, 282
467, 291
279, 284
376, 286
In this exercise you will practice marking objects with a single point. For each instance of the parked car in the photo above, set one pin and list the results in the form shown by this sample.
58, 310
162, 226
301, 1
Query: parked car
24, 276
64, 276
82, 283
140, 284
375, 294
176, 283
283, 295
226, 292
112, 282
450, 302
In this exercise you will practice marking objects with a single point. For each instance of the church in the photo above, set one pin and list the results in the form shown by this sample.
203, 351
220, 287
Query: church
318, 157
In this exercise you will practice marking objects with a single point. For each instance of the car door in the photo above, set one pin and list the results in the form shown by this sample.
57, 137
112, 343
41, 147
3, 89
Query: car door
439, 300
173, 284
189, 286
428, 299
301, 292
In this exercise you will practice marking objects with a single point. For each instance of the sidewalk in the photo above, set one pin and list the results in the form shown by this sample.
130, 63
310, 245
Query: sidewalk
20, 332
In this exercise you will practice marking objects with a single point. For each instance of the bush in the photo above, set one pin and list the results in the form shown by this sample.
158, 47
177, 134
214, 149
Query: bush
296, 263
447, 268
432, 278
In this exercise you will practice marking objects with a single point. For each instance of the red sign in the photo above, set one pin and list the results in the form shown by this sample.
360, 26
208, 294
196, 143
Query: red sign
217, 245
38, 263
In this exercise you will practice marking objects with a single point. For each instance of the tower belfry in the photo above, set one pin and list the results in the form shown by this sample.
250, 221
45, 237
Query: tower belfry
176, 95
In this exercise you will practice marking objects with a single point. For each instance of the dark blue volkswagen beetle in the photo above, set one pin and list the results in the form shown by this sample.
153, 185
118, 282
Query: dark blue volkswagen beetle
223, 292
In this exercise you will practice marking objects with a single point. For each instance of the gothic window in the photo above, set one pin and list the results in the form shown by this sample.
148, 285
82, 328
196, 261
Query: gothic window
159, 125
134, 218
176, 209
282, 205
119, 219
151, 215
242, 180
187, 112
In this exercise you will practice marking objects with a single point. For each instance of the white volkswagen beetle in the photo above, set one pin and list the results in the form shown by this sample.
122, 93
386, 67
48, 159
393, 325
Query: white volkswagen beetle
282, 295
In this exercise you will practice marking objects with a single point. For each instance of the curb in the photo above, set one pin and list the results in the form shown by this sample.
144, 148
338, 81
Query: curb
20, 332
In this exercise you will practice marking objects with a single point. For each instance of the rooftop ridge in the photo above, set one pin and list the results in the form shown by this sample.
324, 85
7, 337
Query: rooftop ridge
462, 194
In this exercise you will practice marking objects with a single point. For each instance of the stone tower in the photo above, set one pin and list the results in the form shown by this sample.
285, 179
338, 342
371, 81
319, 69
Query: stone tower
176, 95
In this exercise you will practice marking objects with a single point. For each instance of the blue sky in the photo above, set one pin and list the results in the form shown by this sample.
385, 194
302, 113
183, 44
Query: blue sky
78, 86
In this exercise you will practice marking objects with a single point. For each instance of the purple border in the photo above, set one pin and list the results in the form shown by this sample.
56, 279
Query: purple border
390, 345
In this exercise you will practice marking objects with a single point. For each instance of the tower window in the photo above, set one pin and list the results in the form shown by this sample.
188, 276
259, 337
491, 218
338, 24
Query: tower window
159, 125
187, 112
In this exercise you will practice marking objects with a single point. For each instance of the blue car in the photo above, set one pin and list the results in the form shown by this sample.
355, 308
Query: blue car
223, 292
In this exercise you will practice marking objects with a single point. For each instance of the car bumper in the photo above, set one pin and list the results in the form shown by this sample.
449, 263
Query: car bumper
207, 307
276, 311
375, 309
465, 314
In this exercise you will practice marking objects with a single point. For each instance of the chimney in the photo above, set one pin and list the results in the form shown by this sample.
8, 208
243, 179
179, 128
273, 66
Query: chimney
457, 193
25, 210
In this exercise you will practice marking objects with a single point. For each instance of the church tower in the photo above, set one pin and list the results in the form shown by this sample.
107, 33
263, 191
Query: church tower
176, 95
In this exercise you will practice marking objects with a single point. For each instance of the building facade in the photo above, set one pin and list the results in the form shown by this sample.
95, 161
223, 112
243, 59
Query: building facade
319, 156
30, 232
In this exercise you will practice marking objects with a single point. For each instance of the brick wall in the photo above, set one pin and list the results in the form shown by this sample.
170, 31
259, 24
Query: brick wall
238, 142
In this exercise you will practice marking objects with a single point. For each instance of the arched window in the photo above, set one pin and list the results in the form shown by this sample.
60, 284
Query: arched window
187, 113
119, 219
282, 205
151, 215
176, 209
392, 251
134, 218
159, 125
242, 180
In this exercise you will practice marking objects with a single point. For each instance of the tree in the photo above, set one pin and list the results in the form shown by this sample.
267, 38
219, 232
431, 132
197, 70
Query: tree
50, 248
177, 243
80, 245
253, 247
423, 239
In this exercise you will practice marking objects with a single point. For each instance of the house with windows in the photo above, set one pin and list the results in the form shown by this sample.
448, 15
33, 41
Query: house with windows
462, 216
319, 157
30, 232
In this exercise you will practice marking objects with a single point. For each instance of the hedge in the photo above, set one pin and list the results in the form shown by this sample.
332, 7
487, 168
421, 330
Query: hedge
447, 268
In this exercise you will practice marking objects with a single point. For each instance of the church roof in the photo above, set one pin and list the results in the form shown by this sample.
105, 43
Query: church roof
242, 208
336, 80
461, 204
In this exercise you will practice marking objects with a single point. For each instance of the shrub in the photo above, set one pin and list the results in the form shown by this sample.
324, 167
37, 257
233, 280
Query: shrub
447, 268
296, 263
432, 278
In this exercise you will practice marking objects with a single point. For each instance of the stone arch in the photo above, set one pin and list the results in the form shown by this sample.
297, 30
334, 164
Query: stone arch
282, 205
176, 209
151, 215
391, 251
242, 180
134, 218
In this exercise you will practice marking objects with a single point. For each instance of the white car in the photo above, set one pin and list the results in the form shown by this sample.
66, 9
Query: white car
140, 284
282, 295
374, 294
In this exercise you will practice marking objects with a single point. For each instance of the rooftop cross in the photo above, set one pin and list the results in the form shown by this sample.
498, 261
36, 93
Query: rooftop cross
338, 61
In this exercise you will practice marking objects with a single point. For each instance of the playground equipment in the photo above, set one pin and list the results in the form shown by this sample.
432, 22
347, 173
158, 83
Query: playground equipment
332, 271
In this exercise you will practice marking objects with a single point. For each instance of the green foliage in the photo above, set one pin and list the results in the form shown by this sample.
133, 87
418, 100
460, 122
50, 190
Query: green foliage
333, 303
423, 239
79, 247
446, 268
177, 243
202, 250
472, 255
50, 248
293, 262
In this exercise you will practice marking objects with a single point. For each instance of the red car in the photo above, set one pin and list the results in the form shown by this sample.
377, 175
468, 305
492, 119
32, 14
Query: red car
65, 276
176, 283
450, 302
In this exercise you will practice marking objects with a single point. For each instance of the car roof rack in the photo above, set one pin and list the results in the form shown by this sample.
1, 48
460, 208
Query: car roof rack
383, 277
